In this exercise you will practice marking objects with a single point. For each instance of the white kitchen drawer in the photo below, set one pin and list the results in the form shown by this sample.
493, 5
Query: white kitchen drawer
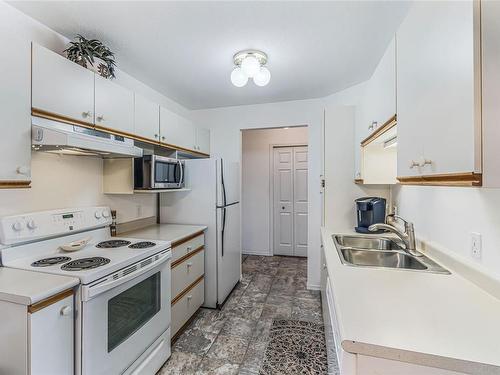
178, 251
186, 306
187, 272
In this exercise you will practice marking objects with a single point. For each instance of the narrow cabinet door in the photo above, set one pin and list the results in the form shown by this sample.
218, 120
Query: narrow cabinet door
114, 106
62, 87
146, 118
15, 123
176, 130
437, 86
51, 338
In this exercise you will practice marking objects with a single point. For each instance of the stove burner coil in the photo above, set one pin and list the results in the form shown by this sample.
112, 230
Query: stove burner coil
49, 261
85, 264
142, 245
112, 244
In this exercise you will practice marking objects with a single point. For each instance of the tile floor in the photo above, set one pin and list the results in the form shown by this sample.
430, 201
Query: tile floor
233, 340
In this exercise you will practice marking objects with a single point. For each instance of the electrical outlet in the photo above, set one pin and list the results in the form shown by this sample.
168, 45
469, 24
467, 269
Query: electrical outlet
475, 245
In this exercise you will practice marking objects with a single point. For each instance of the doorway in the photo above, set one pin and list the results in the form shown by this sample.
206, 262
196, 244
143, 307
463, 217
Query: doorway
257, 190
289, 197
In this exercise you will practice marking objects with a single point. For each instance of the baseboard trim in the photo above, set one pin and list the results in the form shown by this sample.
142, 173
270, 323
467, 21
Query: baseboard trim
251, 252
313, 286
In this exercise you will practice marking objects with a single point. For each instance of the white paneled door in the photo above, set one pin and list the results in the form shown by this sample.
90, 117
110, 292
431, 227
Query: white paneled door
290, 201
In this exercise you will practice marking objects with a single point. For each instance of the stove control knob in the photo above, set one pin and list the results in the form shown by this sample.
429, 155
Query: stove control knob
31, 224
97, 215
17, 226
105, 214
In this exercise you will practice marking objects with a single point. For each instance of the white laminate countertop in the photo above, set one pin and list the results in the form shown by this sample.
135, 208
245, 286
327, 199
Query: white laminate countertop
437, 320
166, 232
29, 287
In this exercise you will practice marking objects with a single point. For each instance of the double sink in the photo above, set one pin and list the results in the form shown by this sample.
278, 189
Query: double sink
381, 252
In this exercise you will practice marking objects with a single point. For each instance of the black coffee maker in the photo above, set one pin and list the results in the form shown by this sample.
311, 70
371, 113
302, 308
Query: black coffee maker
370, 210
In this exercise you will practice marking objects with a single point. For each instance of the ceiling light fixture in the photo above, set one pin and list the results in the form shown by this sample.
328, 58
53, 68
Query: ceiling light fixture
250, 64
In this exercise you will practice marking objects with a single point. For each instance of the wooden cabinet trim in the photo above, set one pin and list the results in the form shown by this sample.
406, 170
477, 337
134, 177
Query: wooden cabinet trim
57, 117
12, 184
379, 131
446, 179
187, 256
188, 238
186, 291
50, 301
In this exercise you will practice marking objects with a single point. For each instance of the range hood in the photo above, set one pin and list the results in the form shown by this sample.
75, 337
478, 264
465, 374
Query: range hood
56, 137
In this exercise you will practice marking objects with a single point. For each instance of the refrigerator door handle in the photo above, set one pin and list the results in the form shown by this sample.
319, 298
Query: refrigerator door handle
222, 232
222, 183
227, 205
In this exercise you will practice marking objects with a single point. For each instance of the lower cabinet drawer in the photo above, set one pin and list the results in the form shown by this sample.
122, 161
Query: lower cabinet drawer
178, 251
186, 272
186, 306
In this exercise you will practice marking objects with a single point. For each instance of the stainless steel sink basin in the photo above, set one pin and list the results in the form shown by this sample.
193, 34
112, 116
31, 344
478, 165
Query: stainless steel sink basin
367, 242
381, 252
390, 259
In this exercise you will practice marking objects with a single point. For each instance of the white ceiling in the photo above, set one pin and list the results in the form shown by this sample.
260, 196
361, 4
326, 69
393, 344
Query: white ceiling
184, 49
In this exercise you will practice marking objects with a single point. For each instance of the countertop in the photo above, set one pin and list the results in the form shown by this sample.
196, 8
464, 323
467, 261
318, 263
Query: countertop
28, 287
166, 232
438, 320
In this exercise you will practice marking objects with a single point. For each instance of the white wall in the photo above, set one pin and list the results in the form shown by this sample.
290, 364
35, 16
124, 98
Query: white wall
64, 181
448, 215
341, 191
256, 184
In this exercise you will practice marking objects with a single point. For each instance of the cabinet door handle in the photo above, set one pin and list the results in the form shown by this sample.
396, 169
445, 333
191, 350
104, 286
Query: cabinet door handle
66, 310
156, 135
162, 138
188, 249
100, 118
86, 114
24, 170
413, 164
189, 264
324, 266
423, 162
189, 298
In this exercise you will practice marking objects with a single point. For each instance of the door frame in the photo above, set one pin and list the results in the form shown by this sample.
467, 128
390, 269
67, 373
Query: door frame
271, 188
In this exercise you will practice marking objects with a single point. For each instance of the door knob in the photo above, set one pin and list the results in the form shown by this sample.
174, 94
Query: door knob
66, 310
282, 207
100, 118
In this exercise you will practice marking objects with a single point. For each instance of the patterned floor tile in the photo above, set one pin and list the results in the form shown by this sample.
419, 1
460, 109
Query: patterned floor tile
233, 340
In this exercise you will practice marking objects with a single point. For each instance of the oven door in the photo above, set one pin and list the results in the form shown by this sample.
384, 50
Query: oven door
120, 322
167, 173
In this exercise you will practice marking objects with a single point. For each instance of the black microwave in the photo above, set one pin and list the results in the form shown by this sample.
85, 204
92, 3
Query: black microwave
158, 172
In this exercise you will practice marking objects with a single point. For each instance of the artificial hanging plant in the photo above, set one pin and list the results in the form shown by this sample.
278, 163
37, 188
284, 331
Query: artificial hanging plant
92, 52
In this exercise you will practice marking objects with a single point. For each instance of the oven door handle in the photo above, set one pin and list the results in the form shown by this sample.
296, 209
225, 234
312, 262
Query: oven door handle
90, 291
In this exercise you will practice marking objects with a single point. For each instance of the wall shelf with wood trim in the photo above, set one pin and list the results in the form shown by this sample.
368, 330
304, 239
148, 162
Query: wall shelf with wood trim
470, 179
386, 126
156, 191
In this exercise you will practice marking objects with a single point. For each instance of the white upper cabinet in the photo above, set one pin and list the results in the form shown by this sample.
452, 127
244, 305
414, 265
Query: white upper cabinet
203, 140
146, 118
62, 87
438, 89
15, 123
177, 131
382, 87
114, 106
377, 107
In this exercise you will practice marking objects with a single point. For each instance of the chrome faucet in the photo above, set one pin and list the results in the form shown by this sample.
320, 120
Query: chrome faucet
408, 236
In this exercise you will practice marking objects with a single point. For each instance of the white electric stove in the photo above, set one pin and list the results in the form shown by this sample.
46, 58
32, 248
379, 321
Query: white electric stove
123, 302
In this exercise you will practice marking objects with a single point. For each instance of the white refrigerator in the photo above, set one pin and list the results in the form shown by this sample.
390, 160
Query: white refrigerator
214, 201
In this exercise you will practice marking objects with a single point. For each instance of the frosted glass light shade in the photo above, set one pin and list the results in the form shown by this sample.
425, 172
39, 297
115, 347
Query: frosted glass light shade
250, 66
263, 77
238, 78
